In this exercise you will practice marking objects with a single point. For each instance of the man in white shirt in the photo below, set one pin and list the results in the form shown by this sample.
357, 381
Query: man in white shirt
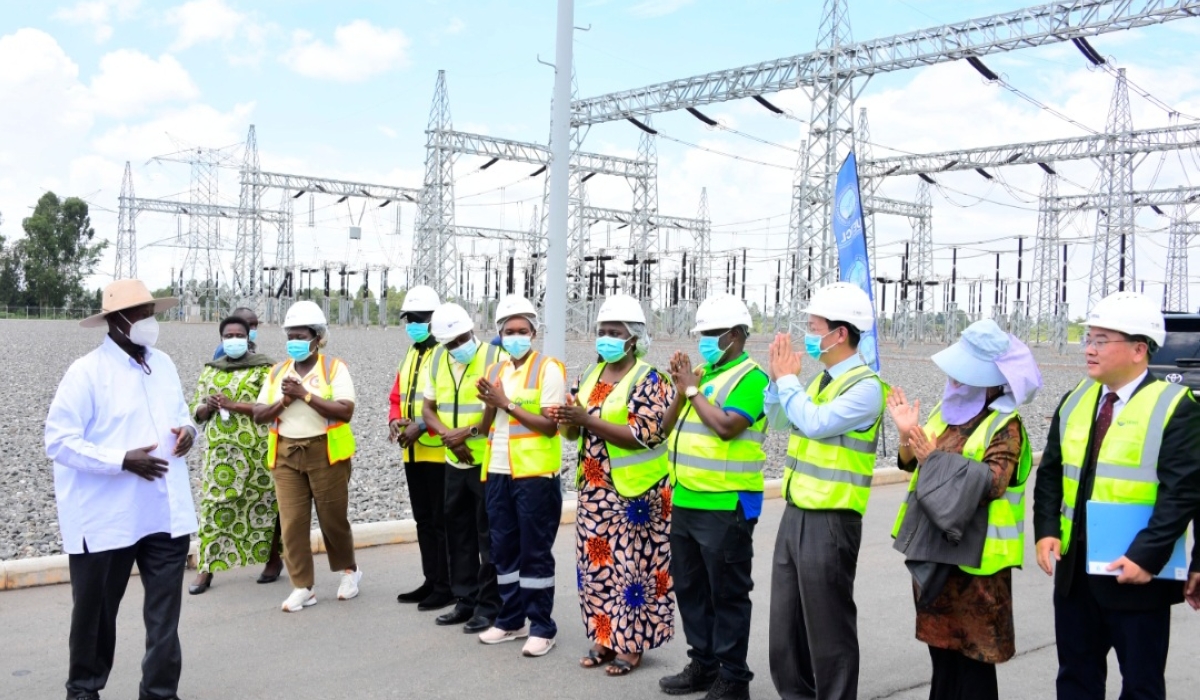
118, 430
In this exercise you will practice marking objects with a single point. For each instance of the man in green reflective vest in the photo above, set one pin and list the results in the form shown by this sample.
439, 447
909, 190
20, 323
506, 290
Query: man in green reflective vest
1122, 436
716, 460
827, 481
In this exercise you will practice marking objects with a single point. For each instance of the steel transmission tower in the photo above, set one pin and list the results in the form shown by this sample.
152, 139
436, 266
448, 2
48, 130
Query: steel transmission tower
1113, 250
1175, 293
126, 267
645, 241
433, 245
1043, 301
204, 231
702, 262
866, 186
830, 138
922, 260
248, 249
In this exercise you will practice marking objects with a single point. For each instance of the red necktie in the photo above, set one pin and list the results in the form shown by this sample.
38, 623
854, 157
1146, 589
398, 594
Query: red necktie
1103, 421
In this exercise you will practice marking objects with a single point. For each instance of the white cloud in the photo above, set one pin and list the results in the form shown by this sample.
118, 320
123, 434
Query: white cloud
658, 8
456, 26
130, 81
197, 124
202, 21
360, 51
388, 131
97, 13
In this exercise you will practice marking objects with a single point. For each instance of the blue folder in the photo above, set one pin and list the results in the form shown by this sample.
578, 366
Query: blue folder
1111, 528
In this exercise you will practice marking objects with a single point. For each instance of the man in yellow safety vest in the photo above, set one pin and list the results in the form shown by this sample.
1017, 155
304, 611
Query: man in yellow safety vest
813, 640
716, 459
1122, 436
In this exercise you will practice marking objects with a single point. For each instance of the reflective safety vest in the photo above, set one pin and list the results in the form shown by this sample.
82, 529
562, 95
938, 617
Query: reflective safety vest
701, 461
529, 452
412, 376
458, 403
1004, 547
834, 473
339, 438
1127, 464
633, 471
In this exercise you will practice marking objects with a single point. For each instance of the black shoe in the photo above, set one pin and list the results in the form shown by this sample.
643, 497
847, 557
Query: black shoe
457, 616
694, 678
84, 696
477, 624
437, 601
728, 690
416, 595
198, 588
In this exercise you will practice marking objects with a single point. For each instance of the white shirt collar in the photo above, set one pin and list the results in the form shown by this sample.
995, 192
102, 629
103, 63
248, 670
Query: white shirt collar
1126, 392
845, 365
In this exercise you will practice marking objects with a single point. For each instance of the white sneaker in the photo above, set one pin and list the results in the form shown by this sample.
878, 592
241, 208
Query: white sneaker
495, 635
349, 586
300, 599
537, 646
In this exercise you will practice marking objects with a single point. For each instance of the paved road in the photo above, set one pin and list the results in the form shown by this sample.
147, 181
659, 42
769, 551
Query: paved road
237, 644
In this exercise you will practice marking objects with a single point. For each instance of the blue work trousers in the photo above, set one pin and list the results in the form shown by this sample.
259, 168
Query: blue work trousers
524, 515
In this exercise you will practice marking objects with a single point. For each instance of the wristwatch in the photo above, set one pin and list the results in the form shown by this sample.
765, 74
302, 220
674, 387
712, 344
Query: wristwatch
510, 407
308, 398
691, 391
474, 431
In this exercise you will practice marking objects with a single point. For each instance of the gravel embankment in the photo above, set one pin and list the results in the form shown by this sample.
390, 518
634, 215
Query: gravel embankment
29, 524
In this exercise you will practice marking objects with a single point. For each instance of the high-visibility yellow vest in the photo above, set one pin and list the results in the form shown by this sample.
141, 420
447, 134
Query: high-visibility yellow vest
633, 471
701, 461
339, 438
1127, 464
529, 452
1004, 547
458, 403
412, 376
834, 473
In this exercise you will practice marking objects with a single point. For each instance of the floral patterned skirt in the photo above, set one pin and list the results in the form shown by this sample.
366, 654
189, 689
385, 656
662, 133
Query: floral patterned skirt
623, 562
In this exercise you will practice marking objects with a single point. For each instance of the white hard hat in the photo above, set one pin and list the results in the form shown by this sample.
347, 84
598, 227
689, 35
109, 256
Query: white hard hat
722, 312
420, 299
621, 307
842, 301
1132, 314
514, 305
304, 313
449, 322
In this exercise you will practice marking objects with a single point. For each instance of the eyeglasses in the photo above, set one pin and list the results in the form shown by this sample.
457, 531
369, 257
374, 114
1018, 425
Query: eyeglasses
1099, 343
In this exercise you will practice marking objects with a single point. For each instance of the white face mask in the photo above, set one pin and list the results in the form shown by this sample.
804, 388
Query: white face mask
144, 332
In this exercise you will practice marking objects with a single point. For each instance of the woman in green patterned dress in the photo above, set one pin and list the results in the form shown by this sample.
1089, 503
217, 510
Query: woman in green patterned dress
237, 507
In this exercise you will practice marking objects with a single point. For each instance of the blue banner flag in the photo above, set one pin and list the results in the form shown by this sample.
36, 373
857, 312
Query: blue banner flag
854, 266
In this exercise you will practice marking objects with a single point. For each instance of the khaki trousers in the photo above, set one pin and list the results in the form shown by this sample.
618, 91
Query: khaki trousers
303, 478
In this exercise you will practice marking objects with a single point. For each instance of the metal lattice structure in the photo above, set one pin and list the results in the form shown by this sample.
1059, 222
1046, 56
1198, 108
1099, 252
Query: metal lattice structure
1155, 199
922, 253
702, 252
248, 248
646, 245
126, 263
1113, 252
1044, 294
1020, 29
830, 137
434, 250
866, 186
1175, 291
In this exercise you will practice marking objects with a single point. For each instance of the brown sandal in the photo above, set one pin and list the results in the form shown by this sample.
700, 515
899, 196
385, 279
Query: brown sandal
621, 667
597, 657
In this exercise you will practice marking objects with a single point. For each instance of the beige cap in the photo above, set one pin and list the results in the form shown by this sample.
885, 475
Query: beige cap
126, 294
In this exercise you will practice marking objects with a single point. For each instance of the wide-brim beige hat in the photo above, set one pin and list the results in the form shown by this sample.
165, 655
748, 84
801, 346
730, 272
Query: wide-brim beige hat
126, 294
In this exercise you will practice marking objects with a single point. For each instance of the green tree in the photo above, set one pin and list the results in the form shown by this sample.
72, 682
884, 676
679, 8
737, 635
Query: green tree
58, 252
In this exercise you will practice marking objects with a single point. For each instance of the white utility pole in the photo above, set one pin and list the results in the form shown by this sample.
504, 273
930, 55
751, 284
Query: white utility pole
560, 157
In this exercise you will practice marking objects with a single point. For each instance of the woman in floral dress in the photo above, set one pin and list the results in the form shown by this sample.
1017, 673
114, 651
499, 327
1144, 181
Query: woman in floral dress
237, 507
623, 554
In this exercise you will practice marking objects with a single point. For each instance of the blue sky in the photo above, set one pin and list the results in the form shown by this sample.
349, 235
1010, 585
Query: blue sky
343, 90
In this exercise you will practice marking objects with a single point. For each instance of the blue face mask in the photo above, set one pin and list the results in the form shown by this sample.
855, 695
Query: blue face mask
253, 335
419, 332
610, 349
710, 348
299, 350
812, 345
235, 347
463, 354
517, 345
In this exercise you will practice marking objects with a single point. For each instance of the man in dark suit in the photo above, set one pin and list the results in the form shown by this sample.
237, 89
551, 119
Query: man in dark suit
1130, 611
